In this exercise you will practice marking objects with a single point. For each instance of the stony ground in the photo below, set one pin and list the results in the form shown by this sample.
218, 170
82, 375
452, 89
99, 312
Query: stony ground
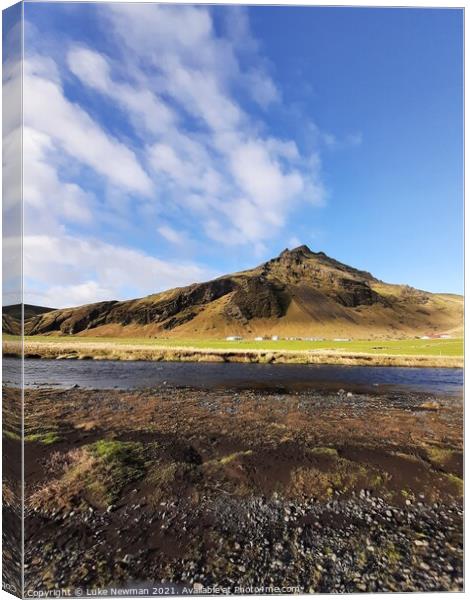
344, 545
217, 489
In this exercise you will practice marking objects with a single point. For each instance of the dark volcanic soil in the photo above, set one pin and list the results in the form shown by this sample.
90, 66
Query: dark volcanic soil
317, 492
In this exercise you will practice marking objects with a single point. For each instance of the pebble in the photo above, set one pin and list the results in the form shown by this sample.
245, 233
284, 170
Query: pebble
421, 543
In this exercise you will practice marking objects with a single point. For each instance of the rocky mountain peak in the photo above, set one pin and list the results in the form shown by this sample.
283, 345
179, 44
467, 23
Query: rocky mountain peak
303, 250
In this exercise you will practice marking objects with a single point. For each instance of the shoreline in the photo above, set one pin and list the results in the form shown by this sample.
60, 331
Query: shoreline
110, 351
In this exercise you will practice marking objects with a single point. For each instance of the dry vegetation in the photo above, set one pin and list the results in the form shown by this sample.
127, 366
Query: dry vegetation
196, 442
111, 350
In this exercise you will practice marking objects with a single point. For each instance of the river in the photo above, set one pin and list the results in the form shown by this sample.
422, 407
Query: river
109, 374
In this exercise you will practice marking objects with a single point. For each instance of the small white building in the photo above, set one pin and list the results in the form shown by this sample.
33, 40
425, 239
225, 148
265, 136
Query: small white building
275, 338
259, 338
233, 338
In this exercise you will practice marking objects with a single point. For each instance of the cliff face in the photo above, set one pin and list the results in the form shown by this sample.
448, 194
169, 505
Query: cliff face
298, 293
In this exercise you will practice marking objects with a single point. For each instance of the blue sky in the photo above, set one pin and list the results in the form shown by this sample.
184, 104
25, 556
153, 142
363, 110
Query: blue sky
166, 145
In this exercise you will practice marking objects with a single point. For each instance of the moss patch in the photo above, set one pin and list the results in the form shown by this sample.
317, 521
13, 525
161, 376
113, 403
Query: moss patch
456, 482
47, 438
119, 463
439, 456
225, 460
324, 452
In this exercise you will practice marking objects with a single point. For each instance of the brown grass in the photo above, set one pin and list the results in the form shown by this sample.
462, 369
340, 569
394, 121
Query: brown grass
109, 351
72, 468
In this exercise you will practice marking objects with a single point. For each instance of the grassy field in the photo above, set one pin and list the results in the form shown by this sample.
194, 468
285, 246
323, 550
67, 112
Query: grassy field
406, 347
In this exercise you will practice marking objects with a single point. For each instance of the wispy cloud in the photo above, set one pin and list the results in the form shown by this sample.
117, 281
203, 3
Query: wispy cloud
171, 234
332, 141
158, 126
71, 128
207, 147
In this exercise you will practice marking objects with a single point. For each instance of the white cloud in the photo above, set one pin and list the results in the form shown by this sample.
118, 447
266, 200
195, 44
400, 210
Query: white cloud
12, 130
47, 110
187, 166
260, 175
11, 78
165, 159
200, 94
294, 242
262, 88
163, 29
11, 167
93, 270
48, 200
147, 110
237, 176
11, 181
65, 296
170, 234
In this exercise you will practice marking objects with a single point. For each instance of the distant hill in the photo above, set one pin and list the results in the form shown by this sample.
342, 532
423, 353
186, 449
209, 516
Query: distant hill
298, 293
30, 310
11, 316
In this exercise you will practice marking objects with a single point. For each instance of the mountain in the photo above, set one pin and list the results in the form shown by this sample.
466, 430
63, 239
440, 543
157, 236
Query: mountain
298, 293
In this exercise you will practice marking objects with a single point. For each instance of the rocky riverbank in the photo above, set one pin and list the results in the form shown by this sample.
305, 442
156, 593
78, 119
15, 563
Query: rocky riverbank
243, 490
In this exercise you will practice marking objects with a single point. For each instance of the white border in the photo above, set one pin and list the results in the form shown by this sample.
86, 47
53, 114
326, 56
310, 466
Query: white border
352, 3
